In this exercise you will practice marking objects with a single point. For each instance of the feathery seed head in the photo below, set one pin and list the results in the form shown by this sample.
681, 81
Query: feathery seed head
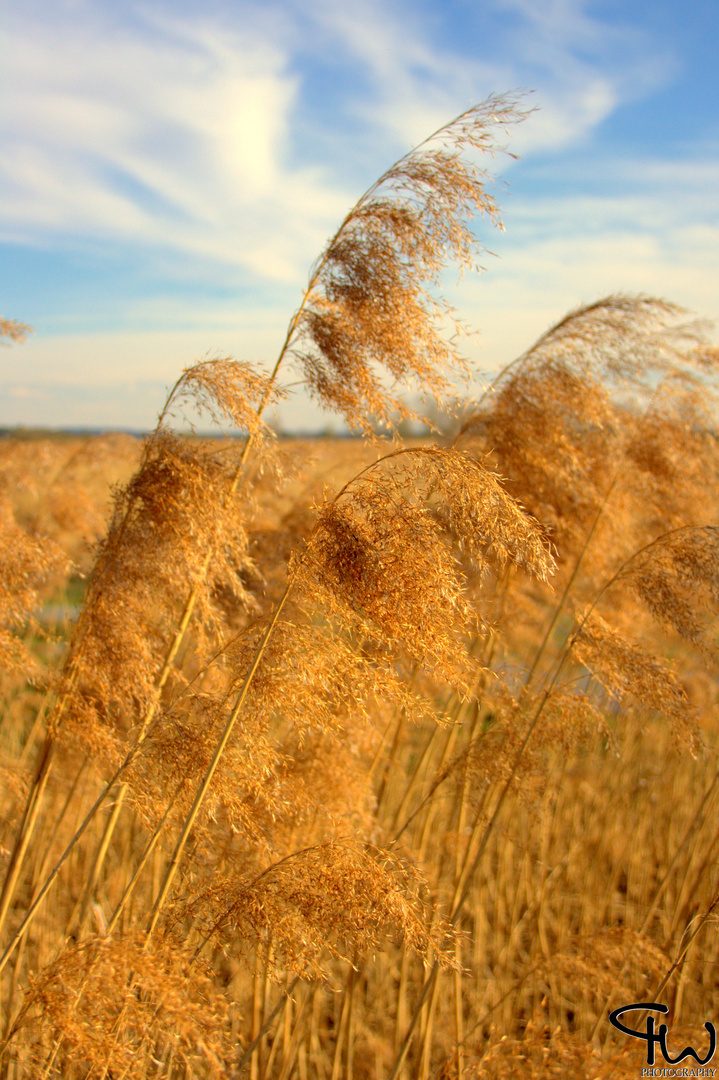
677, 578
338, 900
110, 1005
629, 672
384, 553
15, 331
229, 391
369, 304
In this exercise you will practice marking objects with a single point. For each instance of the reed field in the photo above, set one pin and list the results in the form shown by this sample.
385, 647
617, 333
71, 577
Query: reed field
368, 757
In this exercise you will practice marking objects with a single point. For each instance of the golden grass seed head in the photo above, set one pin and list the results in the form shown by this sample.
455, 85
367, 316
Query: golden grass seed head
172, 512
629, 672
27, 564
229, 392
112, 1004
384, 554
335, 900
677, 579
621, 338
370, 304
13, 330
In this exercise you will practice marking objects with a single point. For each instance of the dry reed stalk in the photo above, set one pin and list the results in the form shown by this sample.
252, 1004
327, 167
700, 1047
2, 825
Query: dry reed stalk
39, 876
683, 559
379, 618
659, 891
207, 778
367, 292
391, 238
378, 564
106, 638
19, 934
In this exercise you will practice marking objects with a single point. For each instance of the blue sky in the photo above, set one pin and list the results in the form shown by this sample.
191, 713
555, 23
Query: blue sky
170, 170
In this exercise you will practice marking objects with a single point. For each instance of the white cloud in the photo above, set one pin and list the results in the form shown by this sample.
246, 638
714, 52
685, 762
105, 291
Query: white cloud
174, 135
179, 131
582, 67
541, 275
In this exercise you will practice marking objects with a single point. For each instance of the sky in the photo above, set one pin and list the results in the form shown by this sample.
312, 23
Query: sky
170, 170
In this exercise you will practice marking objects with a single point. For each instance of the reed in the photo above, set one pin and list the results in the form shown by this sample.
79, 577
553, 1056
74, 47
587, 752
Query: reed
402, 768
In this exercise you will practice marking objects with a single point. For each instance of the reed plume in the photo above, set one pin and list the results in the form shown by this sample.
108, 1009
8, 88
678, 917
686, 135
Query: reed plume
173, 510
27, 563
383, 803
336, 900
371, 301
388, 559
563, 418
110, 1005
14, 330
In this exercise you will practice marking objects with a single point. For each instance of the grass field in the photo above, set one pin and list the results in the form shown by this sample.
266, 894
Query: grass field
370, 759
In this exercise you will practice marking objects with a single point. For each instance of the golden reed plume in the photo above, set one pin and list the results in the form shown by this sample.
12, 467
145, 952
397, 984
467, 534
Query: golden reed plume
372, 767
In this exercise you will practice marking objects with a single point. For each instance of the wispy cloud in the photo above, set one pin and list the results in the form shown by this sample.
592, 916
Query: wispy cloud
179, 131
584, 67
169, 132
